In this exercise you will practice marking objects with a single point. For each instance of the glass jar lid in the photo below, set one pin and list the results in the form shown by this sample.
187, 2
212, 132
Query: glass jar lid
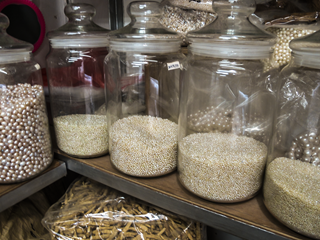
80, 30
145, 33
12, 49
232, 35
306, 50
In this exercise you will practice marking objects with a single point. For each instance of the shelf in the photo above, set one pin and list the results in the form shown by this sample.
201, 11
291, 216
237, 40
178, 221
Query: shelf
248, 220
11, 194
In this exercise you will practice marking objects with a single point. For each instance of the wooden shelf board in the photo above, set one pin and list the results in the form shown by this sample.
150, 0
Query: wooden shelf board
11, 194
249, 219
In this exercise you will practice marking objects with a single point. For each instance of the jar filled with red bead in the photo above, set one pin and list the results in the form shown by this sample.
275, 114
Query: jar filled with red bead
25, 144
76, 84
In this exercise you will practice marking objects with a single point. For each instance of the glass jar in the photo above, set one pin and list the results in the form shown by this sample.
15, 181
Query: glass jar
76, 84
292, 181
226, 107
142, 86
25, 144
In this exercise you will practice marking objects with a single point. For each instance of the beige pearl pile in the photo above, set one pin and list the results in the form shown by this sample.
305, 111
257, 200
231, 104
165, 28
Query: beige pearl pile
221, 167
184, 21
203, 5
144, 146
25, 146
82, 135
281, 50
211, 119
292, 195
305, 148
218, 119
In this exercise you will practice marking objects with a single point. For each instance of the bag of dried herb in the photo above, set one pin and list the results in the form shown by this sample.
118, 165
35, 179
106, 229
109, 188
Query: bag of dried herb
90, 210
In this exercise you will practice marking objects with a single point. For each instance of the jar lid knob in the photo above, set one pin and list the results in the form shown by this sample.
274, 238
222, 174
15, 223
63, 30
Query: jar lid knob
144, 9
145, 33
80, 12
8, 43
231, 34
4, 22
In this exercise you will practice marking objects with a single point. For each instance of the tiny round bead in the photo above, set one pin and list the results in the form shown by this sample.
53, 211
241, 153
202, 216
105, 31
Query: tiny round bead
15, 139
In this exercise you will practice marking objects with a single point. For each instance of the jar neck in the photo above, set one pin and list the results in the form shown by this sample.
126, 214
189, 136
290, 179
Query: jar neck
79, 18
231, 19
145, 22
244, 52
304, 59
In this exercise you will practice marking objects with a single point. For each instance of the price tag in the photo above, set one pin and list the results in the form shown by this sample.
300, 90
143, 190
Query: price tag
173, 65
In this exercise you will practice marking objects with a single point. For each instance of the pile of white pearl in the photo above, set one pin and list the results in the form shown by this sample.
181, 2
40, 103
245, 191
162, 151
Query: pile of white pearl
220, 120
221, 167
281, 50
210, 120
82, 135
182, 21
25, 146
291, 194
305, 148
144, 146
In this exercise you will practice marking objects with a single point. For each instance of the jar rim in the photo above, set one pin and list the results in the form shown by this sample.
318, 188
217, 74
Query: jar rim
145, 47
92, 42
306, 59
237, 51
11, 57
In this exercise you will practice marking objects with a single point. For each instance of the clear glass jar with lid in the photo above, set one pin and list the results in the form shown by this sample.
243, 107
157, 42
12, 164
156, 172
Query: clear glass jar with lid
76, 83
142, 74
226, 106
25, 144
292, 181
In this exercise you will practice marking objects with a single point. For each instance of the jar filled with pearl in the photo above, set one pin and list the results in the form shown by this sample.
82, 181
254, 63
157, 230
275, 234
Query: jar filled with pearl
226, 108
75, 76
292, 180
142, 74
25, 144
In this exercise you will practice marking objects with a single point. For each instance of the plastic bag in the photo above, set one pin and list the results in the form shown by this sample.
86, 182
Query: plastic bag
90, 210
285, 12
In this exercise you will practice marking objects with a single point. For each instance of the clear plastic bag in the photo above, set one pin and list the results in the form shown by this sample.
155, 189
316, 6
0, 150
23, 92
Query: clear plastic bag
90, 210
